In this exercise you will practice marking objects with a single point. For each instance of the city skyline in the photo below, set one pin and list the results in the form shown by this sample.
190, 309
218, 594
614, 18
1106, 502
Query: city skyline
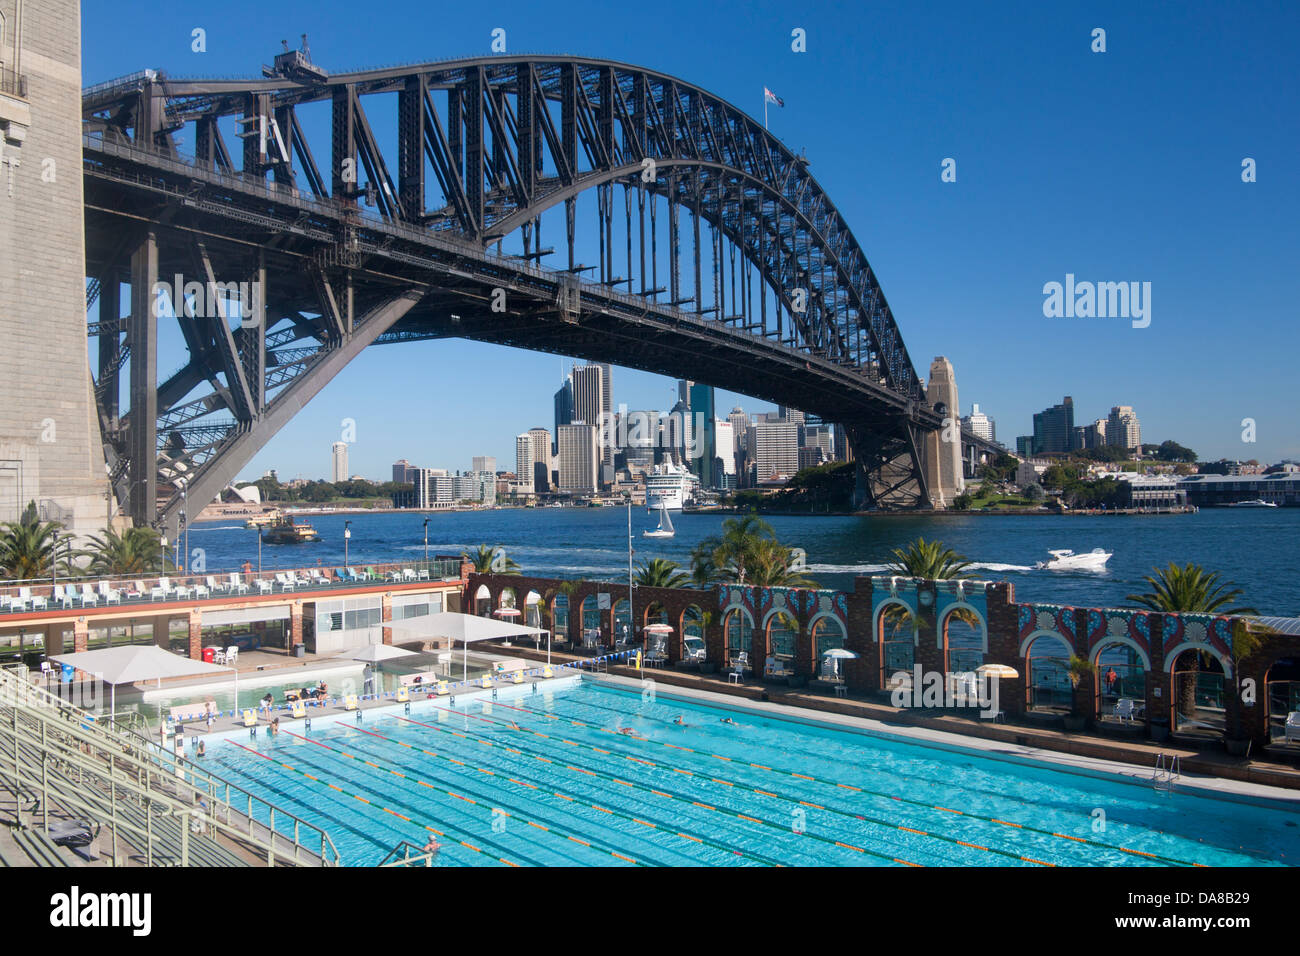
1103, 169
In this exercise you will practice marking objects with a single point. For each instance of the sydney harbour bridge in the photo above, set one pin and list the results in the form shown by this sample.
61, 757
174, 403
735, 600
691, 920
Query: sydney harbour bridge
316, 215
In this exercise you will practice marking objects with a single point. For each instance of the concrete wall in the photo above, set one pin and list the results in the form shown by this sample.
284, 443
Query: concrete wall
50, 448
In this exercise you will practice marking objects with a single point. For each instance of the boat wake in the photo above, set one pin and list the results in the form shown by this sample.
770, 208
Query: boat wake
884, 568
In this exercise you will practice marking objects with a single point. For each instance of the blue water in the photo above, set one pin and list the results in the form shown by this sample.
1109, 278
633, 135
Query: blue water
1253, 548
546, 779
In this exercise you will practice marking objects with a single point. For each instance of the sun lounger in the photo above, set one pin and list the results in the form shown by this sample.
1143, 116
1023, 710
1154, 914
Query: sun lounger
237, 585
61, 596
264, 586
214, 586
109, 594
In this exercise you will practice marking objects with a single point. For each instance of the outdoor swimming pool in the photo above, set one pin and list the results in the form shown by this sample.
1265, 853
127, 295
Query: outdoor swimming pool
547, 778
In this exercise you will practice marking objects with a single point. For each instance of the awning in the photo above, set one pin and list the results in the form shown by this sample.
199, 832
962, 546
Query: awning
137, 662
465, 628
381, 652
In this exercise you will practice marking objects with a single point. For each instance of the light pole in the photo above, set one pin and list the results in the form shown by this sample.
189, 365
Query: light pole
185, 521
259, 551
426, 544
630, 611
347, 534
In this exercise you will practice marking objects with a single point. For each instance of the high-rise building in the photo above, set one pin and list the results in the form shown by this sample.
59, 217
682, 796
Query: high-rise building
401, 471
1091, 436
1054, 428
726, 442
542, 455
524, 460
787, 414
1025, 446
588, 383
433, 488
484, 463
563, 409
977, 423
340, 455
705, 445
821, 437
773, 450
1122, 428
606, 407
579, 458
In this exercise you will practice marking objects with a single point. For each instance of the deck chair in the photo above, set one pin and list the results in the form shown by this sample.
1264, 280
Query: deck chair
237, 585
264, 586
36, 601
110, 594
88, 596
61, 596
1124, 708
213, 586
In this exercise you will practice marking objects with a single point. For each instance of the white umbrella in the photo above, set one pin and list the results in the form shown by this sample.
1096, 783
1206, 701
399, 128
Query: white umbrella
997, 670
506, 612
657, 629
838, 654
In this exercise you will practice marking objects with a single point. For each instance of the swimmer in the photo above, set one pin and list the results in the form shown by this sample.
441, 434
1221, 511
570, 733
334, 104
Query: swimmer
626, 730
432, 848
728, 720
679, 722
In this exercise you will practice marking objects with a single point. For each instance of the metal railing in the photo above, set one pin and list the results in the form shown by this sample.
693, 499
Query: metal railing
165, 807
15, 84
421, 856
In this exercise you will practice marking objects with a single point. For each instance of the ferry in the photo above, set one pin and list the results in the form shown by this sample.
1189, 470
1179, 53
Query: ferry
263, 520
287, 531
1256, 503
669, 486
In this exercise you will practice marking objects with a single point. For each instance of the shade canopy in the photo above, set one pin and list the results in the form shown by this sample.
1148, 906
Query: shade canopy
137, 662
997, 670
381, 652
657, 629
840, 653
466, 628
507, 612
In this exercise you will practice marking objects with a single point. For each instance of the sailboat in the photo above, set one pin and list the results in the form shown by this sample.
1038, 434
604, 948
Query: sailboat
665, 529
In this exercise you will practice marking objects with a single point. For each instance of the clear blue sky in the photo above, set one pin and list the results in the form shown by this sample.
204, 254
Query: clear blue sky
1115, 166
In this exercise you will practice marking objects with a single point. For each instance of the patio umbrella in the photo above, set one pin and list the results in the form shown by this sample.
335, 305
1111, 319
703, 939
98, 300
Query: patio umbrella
657, 629
507, 612
997, 670
838, 654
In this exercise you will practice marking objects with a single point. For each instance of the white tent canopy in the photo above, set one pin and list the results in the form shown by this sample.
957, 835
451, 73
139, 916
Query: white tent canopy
380, 652
465, 628
139, 662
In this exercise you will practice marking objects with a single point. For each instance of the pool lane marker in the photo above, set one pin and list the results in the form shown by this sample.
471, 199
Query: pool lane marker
492, 773
450, 793
875, 793
784, 828
401, 816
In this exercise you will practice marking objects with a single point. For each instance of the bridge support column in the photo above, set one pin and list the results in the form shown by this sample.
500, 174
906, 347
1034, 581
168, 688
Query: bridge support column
942, 448
142, 335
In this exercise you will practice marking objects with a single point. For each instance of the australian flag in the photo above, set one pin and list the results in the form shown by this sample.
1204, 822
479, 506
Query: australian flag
770, 97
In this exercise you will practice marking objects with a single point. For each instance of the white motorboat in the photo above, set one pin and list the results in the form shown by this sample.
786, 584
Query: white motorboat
665, 529
1066, 560
1257, 503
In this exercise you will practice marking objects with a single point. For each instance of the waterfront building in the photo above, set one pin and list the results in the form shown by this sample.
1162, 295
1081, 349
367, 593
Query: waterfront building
1207, 491
579, 458
978, 423
1054, 429
1028, 472
774, 450
339, 452
401, 471
524, 460
1122, 428
432, 488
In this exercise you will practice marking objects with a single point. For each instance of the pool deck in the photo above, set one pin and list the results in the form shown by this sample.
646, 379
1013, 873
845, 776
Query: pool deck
1202, 768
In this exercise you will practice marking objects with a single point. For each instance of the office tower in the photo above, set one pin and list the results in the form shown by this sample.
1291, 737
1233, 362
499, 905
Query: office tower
810, 456
677, 433
588, 394
484, 463
433, 488
841, 444
821, 437
542, 455
704, 445
563, 409
684, 390
977, 423
340, 453
1122, 428
725, 439
401, 470
579, 458
1091, 436
524, 461
773, 449
1054, 428
739, 426
1025, 446
787, 414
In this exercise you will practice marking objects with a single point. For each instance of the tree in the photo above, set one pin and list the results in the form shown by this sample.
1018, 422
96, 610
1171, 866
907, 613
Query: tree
1172, 451
27, 546
747, 552
929, 560
660, 573
490, 560
1034, 491
962, 501
1078, 669
135, 551
772, 566
1188, 588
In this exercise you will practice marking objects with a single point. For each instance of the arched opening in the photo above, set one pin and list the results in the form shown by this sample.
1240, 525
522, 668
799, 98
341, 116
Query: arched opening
1282, 698
896, 635
623, 635
507, 599
1121, 681
739, 631
1197, 682
965, 640
828, 635
694, 647
590, 622
782, 629
560, 617
1047, 679
482, 601
533, 609
655, 614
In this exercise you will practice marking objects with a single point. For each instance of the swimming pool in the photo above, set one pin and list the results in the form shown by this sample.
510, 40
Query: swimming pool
547, 778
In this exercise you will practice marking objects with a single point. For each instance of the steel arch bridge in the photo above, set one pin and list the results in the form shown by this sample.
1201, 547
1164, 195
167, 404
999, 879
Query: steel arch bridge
430, 226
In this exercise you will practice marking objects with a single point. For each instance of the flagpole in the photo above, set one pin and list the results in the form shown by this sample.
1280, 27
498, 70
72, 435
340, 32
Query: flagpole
765, 109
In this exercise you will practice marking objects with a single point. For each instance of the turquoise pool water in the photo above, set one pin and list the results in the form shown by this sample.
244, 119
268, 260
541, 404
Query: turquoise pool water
547, 778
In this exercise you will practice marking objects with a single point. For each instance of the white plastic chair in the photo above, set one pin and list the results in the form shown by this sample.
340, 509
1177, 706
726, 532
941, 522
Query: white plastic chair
88, 596
61, 596
218, 656
110, 594
37, 602
264, 586
232, 654
1124, 708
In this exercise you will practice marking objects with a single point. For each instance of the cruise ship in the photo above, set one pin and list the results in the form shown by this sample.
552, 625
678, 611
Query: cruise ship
670, 486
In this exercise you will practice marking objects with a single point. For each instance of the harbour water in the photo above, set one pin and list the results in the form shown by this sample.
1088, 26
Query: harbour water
1254, 549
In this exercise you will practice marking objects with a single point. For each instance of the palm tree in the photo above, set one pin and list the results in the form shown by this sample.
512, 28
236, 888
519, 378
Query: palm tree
1188, 588
660, 573
703, 569
771, 566
490, 560
929, 560
136, 551
27, 546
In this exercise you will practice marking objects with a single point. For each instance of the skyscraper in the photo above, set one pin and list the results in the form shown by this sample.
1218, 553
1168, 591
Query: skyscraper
563, 409
773, 450
980, 424
484, 463
340, 454
705, 444
579, 458
1122, 428
542, 454
726, 442
1054, 428
401, 470
524, 461
588, 386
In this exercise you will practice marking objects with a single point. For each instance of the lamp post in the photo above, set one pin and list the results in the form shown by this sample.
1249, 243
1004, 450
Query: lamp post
426, 544
185, 521
347, 535
630, 611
